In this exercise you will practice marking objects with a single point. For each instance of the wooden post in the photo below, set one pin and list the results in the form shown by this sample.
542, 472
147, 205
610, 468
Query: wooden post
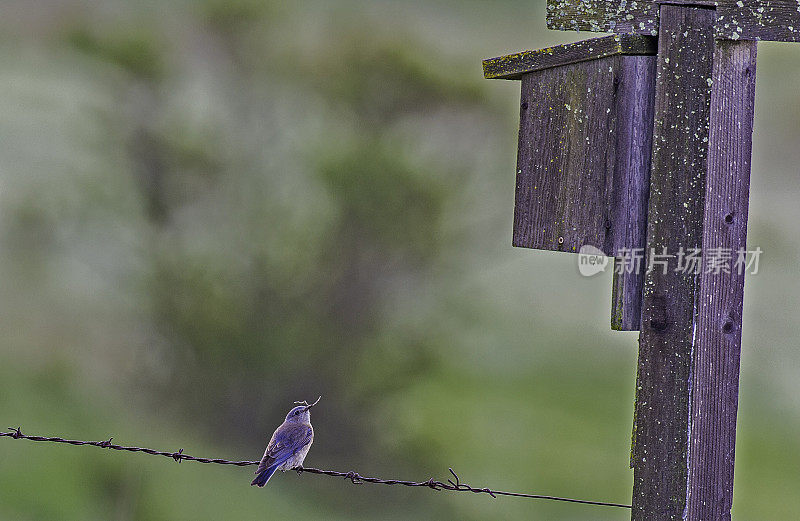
697, 207
715, 379
687, 389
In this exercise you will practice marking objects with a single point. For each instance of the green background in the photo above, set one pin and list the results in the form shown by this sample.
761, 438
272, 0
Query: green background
211, 209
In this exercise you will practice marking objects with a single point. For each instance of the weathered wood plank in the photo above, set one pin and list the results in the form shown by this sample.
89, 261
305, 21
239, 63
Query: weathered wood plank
574, 166
566, 157
774, 20
715, 374
675, 223
606, 16
513, 66
635, 105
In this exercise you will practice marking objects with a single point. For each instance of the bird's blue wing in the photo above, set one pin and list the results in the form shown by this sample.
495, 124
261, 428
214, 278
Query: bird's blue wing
287, 440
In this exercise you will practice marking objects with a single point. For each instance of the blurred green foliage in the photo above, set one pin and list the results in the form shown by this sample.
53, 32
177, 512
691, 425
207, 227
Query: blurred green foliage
210, 209
136, 53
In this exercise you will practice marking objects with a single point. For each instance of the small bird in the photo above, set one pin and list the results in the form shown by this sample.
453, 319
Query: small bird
289, 444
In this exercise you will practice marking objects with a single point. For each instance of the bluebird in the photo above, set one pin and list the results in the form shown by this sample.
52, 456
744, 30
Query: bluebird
289, 444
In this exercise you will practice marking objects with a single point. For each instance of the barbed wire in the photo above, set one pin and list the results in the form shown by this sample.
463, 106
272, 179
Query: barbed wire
353, 477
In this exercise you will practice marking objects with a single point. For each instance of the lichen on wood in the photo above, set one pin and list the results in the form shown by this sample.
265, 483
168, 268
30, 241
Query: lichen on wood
773, 20
513, 66
616, 16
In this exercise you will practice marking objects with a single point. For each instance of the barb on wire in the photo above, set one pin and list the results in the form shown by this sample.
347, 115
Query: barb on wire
354, 477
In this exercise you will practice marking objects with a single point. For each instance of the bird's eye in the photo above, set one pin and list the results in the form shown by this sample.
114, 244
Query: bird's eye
296, 413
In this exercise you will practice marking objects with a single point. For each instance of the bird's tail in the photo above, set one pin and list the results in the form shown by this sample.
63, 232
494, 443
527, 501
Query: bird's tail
264, 476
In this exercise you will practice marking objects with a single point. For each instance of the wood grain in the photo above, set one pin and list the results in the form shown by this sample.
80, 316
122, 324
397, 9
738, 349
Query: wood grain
635, 105
774, 20
688, 372
607, 16
675, 221
513, 66
566, 157
715, 375
583, 155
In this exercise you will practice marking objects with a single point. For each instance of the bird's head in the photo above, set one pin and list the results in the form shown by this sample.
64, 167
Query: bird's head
301, 413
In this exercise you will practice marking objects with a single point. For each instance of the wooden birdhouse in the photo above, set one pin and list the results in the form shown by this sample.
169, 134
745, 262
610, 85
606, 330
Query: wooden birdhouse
585, 141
